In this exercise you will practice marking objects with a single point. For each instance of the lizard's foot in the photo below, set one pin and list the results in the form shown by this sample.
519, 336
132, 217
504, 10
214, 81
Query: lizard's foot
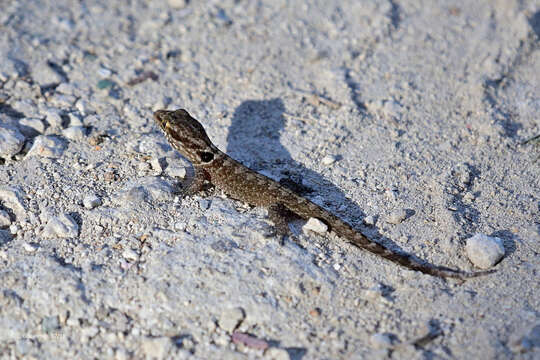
280, 216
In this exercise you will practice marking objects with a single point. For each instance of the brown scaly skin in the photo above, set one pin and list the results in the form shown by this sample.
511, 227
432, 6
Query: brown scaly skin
188, 136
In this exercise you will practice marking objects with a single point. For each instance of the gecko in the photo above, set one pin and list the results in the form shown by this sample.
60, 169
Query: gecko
186, 135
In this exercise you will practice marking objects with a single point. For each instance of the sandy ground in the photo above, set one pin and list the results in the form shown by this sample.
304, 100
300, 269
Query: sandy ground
381, 108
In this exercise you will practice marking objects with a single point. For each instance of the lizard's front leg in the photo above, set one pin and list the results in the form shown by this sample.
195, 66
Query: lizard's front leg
198, 184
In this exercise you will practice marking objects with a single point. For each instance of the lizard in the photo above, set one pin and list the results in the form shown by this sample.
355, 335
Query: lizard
186, 135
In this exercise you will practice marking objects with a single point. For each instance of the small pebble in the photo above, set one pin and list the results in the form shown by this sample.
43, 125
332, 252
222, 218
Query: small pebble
29, 247
31, 126
50, 323
276, 354
370, 220
230, 319
381, 341
396, 216
249, 341
62, 226
13, 229
75, 120
204, 204
315, 225
11, 141
146, 189
156, 166
91, 201
143, 167
328, 160
484, 251
75, 133
180, 226
27, 107
462, 174
156, 348
176, 171
104, 72
12, 197
374, 294
392, 109
83, 106
5, 221
130, 255
54, 117
177, 4
45, 76
47, 146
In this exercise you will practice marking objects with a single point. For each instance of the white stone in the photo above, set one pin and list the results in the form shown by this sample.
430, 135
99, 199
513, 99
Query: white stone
29, 247
396, 216
484, 251
14, 229
12, 198
75, 120
62, 226
392, 109
11, 141
315, 225
74, 133
130, 255
53, 117
31, 126
45, 76
147, 188
177, 4
83, 106
381, 341
47, 146
370, 220
156, 348
176, 171
154, 162
91, 201
275, 353
104, 72
328, 160
230, 319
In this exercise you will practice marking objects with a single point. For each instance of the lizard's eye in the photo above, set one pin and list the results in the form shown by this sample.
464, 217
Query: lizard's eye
206, 156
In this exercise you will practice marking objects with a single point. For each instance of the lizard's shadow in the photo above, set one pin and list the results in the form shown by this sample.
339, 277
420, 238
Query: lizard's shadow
254, 140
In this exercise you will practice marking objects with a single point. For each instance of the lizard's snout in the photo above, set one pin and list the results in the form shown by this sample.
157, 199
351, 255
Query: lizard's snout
159, 115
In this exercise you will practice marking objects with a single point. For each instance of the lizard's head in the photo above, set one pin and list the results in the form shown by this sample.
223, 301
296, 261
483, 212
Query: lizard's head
186, 135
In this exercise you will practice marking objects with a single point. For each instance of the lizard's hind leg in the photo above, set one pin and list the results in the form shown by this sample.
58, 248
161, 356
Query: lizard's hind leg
280, 216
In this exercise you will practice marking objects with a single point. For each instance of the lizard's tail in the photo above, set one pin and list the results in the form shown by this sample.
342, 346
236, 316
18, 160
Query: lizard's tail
306, 209
358, 239
410, 262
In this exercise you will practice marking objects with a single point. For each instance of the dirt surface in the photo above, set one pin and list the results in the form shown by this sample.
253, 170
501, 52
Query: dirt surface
410, 119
